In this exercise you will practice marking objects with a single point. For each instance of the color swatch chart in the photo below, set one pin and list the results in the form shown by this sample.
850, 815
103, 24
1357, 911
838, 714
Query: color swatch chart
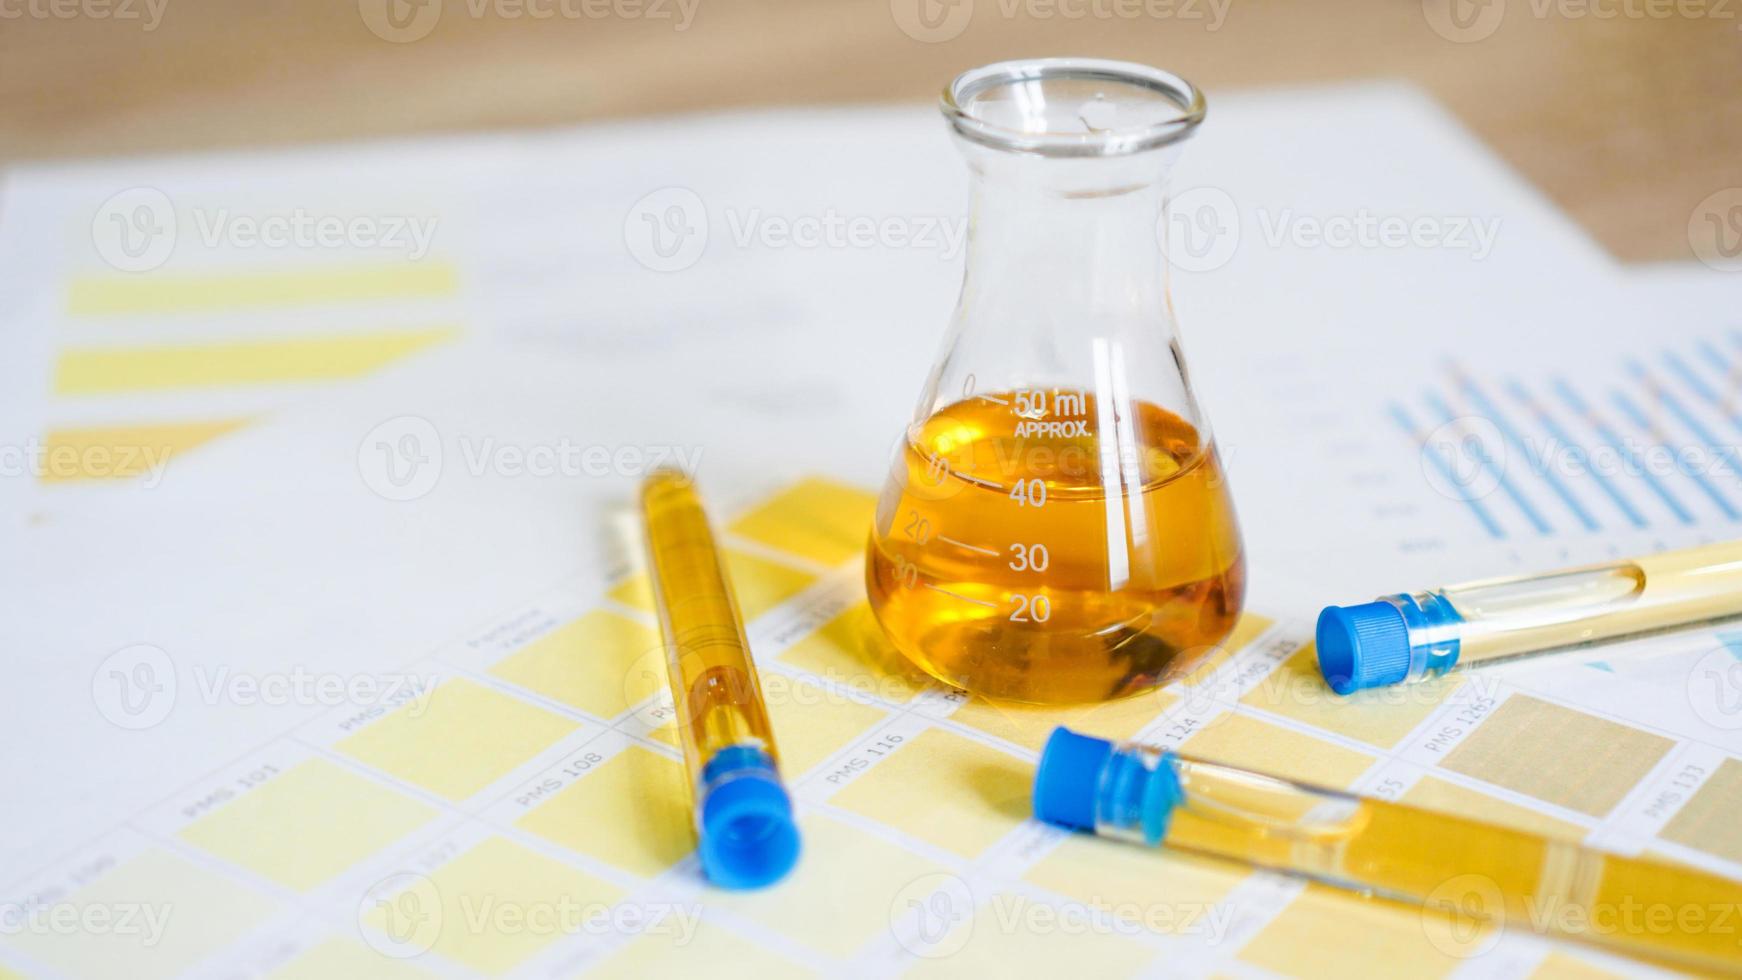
517, 806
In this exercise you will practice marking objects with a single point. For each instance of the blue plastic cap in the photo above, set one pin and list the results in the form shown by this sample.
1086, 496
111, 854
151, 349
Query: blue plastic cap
748, 837
1069, 778
1088, 783
1363, 646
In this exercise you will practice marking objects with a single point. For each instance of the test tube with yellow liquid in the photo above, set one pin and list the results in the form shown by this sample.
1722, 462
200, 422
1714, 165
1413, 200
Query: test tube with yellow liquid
1416, 636
1473, 872
744, 823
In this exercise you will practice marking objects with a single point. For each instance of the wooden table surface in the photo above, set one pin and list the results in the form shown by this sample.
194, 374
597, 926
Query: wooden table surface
1628, 113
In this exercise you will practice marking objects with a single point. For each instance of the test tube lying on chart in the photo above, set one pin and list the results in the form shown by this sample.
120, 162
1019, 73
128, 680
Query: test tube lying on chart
744, 823
1414, 636
1478, 876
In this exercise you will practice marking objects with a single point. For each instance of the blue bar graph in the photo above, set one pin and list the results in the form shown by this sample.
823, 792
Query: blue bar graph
1656, 443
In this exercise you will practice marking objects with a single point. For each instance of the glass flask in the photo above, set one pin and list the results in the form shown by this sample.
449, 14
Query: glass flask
1056, 527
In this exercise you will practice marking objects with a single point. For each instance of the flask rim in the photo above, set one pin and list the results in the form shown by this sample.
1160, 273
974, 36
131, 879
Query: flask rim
1116, 142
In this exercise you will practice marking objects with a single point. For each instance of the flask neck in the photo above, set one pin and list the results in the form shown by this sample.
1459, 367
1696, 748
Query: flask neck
1073, 241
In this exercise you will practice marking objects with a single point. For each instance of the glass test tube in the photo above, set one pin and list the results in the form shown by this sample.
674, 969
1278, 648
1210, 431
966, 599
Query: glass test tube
744, 823
1411, 636
1476, 875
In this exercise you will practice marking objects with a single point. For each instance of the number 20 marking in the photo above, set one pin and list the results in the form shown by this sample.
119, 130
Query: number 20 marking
1030, 609
917, 527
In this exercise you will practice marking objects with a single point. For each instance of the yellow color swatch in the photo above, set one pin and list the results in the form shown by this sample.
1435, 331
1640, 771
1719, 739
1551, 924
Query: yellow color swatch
1326, 934
838, 899
601, 663
456, 739
1712, 820
1165, 891
851, 650
1029, 725
632, 811
1244, 741
1437, 794
1380, 717
1558, 755
815, 518
946, 789
1560, 966
500, 903
1246, 629
712, 952
307, 824
811, 722
106, 370
158, 293
181, 913
758, 584
1012, 936
123, 451
347, 959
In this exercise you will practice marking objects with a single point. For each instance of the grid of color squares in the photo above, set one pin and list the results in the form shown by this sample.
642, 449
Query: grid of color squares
445, 834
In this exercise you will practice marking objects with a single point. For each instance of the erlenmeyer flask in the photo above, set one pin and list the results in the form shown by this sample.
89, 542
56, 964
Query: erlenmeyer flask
1056, 527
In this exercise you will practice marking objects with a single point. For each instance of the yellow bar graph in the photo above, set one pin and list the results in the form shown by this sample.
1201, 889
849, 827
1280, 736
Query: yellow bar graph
124, 451
106, 370
154, 293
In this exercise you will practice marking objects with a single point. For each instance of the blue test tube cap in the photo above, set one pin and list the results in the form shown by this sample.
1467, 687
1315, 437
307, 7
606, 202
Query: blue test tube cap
1363, 646
748, 837
1069, 778
1088, 783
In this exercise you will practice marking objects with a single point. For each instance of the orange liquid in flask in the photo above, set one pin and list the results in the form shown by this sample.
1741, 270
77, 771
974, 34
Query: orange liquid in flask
1042, 546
